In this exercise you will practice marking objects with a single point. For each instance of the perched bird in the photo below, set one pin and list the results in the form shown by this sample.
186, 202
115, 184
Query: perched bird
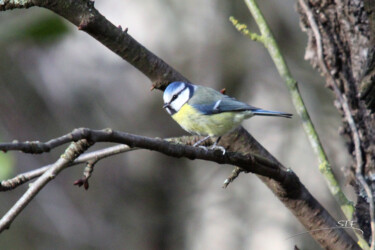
206, 112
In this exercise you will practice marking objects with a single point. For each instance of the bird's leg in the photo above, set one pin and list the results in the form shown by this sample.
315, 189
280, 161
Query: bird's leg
200, 141
215, 146
216, 142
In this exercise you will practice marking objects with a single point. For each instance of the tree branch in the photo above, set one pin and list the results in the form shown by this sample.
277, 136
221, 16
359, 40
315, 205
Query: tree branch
285, 183
70, 154
83, 15
251, 163
87, 137
20, 179
288, 188
36, 147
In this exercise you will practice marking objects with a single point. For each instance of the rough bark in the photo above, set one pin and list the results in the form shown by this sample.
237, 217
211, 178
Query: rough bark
346, 29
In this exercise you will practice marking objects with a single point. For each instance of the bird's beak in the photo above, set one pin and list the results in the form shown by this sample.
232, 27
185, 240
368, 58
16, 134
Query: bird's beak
165, 105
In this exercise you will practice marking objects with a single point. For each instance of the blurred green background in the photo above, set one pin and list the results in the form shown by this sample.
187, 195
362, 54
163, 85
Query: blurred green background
54, 78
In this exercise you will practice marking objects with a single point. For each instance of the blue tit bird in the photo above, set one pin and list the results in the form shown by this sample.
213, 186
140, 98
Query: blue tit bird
206, 112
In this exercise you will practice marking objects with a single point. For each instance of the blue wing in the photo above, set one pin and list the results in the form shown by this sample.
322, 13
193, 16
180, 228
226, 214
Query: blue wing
223, 105
208, 101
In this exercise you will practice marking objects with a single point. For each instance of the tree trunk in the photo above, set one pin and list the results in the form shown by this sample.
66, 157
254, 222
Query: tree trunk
341, 46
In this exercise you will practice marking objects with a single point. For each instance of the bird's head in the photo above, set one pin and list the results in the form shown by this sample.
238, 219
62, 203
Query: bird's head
176, 95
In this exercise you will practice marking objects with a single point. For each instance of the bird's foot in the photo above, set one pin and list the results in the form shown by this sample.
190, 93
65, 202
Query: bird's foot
215, 147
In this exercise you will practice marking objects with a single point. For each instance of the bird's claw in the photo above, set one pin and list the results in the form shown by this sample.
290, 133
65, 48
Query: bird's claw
213, 147
222, 149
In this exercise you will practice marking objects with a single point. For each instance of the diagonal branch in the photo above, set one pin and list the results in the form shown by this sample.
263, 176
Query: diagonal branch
83, 15
20, 179
70, 154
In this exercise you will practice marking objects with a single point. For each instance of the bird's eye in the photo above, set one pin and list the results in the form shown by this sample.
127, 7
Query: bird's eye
174, 97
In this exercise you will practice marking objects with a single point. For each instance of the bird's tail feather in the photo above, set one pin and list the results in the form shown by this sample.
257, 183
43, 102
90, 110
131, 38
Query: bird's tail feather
271, 113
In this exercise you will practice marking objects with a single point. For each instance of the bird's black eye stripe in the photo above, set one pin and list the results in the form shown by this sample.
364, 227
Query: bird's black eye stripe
174, 97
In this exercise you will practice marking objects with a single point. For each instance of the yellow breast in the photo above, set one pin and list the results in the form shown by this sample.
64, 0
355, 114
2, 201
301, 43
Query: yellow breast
195, 122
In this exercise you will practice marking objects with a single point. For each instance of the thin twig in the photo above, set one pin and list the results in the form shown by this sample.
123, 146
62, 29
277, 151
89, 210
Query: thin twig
348, 115
20, 179
324, 165
70, 154
235, 173
87, 173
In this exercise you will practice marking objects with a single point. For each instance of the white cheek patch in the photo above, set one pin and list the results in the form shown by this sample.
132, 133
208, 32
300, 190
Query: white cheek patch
182, 98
